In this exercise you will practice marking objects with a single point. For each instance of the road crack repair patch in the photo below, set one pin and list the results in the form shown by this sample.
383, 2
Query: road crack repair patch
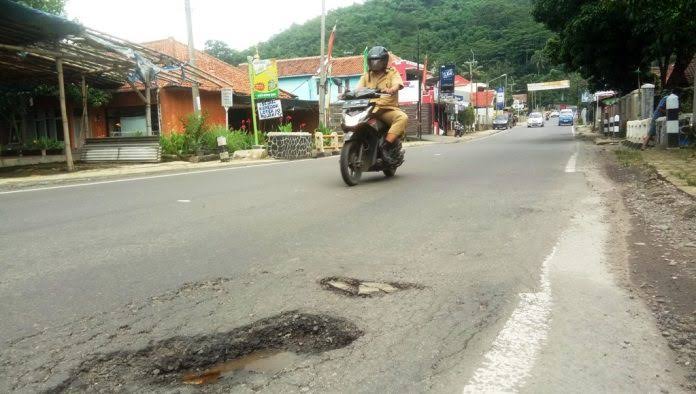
363, 288
267, 346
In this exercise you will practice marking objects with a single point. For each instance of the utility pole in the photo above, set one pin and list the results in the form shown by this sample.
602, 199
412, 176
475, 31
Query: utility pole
472, 64
693, 106
192, 58
322, 68
420, 85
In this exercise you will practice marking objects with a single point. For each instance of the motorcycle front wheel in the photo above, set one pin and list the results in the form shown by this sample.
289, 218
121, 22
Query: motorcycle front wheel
351, 165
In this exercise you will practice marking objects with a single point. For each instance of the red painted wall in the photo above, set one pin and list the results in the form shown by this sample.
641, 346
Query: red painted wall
177, 103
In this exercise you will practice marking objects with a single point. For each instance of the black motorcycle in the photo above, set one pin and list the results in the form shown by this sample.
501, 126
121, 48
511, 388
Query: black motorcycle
363, 138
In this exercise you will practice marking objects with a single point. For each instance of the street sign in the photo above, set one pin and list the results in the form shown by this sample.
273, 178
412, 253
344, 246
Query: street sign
227, 95
270, 109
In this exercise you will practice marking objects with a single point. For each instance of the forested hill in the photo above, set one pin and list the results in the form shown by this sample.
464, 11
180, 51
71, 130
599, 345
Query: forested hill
502, 34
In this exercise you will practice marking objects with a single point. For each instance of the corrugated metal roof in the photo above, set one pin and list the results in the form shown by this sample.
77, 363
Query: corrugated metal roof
22, 25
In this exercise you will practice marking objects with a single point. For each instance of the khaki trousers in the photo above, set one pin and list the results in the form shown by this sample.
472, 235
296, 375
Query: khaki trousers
396, 118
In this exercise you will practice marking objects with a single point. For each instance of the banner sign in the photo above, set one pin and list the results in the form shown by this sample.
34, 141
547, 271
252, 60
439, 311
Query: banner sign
552, 85
270, 109
265, 74
447, 78
500, 99
227, 95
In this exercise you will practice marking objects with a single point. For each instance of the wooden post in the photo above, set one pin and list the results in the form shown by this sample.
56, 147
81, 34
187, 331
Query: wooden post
148, 107
85, 115
64, 115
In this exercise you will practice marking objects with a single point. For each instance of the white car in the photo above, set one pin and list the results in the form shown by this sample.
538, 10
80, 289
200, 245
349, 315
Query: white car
535, 119
554, 114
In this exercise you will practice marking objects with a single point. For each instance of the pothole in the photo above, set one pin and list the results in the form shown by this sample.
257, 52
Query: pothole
364, 288
266, 347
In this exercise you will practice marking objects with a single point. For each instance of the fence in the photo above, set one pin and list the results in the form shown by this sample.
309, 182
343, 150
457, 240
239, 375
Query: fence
335, 142
637, 130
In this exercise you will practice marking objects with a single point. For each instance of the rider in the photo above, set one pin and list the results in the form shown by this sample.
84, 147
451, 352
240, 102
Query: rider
387, 80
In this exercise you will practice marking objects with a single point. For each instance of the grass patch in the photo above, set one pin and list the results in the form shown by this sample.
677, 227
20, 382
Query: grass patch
629, 157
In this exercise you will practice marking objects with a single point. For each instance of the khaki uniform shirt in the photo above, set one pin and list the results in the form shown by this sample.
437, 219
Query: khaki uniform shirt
390, 79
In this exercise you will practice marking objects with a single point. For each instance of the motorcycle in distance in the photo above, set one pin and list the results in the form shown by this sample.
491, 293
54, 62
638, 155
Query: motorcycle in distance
458, 129
364, 136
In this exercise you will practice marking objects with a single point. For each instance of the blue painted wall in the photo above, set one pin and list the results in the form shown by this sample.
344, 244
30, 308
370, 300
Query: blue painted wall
305, 86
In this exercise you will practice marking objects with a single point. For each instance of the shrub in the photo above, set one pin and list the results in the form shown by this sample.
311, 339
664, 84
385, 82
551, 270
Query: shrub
195, 128
46, 143
236, 139
173, 144
324, 129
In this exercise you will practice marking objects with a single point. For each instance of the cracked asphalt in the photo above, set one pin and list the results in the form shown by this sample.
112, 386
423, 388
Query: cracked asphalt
96, 269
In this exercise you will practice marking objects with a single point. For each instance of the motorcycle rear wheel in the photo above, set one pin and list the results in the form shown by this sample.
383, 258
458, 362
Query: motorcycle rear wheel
350, 164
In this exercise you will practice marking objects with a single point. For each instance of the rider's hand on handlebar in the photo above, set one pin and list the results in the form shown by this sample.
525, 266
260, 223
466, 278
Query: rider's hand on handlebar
390, 91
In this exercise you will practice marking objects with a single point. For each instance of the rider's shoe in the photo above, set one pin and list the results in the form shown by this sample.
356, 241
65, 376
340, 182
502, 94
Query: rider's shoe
392, 153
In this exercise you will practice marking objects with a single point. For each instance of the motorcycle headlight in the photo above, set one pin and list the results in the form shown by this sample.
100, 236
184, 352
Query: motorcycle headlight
352, 120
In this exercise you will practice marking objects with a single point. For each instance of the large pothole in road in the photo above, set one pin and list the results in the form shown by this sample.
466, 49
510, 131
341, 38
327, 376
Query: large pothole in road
363, 288
268, 346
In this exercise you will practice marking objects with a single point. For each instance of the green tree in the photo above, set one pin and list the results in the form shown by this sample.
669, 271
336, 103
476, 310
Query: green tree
614, 42
595, 38
502, 33
56, 7
222, 51
671, 25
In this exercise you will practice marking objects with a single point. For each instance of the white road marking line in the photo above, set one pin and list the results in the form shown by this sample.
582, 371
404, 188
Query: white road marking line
183, 200
514, 351
570, 167
438, 154
140, 178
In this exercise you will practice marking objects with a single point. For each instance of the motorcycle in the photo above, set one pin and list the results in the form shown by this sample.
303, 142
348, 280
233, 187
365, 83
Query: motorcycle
364, 136
458, 129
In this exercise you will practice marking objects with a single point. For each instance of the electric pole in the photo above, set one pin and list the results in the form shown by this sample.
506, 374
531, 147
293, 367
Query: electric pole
472, 64
322, 69
420, 86
192, 58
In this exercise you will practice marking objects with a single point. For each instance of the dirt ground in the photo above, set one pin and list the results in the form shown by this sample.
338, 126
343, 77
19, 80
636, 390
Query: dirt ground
662, 251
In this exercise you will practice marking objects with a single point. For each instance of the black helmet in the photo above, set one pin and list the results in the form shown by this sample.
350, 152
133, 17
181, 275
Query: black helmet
377, 58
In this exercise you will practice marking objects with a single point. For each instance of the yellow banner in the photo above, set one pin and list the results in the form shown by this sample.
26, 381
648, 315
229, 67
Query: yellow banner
552, 85
265, 79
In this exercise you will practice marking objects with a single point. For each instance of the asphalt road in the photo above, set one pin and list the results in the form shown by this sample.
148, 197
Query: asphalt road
506, 237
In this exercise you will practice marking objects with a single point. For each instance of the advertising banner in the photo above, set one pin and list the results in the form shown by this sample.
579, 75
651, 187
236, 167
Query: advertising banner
500, 99
265, 79
552, 85
270, 109
447, 78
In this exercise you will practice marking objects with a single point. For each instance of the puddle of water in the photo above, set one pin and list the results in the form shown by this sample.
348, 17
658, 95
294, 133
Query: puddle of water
264, 361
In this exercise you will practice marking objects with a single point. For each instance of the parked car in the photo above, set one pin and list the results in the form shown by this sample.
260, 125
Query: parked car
535, 119
502, 122
566, 117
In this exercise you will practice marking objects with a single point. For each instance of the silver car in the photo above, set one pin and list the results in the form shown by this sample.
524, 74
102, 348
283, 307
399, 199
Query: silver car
535, 119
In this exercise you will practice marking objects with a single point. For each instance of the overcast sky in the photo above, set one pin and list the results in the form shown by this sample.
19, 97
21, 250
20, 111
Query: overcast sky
239, 23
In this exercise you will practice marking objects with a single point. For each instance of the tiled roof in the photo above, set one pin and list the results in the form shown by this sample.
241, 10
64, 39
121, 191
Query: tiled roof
237, 78
340, 66
460, 81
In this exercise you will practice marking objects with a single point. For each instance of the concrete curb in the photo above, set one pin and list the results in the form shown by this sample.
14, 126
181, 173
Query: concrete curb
122, 171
